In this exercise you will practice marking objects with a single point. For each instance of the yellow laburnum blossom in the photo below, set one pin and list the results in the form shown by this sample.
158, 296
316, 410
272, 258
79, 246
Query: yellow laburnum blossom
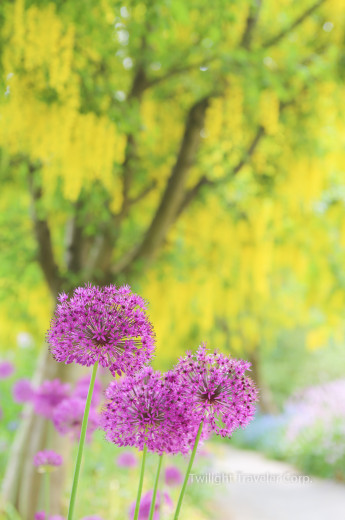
40, 117
269, 111
317, 338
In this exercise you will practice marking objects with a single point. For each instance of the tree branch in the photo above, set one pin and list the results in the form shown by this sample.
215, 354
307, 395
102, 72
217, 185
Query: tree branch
42, 233
275, 39
74, 235
179, 70
136, 92
144, 192
191, 194
171, 198
252, 21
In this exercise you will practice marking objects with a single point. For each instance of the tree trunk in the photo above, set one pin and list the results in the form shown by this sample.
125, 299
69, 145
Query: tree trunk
266, 401
21, 484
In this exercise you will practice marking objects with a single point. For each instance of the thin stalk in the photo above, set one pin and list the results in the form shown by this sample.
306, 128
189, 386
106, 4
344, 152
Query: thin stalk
141, 480
81, 443
46, 477
155, 487
190, 464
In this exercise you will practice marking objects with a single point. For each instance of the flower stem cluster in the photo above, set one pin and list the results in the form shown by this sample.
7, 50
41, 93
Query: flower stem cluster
163, 413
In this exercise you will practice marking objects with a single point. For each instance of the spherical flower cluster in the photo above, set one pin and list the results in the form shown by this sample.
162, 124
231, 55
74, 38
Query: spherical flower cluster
47, 459
22, 391
146, 409
145, 505
6, 369
173, 476
127, 459
217, 390
68, 418
49, 395
107, 324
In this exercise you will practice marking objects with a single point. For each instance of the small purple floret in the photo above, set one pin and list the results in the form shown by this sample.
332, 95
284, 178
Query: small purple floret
47, 458
127, 459
22, 391
49, 395
68, 418
82, 388
6, 369
173, 476
145, 505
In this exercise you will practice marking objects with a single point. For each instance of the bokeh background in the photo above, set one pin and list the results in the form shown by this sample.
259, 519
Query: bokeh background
195, 151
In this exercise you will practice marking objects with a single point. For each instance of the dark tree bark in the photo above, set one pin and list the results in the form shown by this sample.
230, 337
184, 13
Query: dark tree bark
266, 401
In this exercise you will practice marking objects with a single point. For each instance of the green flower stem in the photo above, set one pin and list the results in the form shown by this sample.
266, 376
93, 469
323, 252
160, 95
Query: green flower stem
153, 502
140, 487
46, 477
190, 464
81, 443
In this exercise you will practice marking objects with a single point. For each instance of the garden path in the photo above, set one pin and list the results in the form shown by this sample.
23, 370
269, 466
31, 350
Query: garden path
286, 499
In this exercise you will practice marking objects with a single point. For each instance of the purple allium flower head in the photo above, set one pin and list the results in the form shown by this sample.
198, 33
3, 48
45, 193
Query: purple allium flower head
216, 390
82, 388
107, 324
22, 391
173, 476
146, 409
47, 459
127, 459
49, 395
145, 505
68, 417
40, 515
6, 369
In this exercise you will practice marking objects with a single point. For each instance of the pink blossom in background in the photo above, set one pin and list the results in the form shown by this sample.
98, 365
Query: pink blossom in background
145, 505
23, 391
40, 515
325, 402
317, 417
47, 458
49, 395
173, 476
6, 369
68, 417
82, 388
107, 324
127, 459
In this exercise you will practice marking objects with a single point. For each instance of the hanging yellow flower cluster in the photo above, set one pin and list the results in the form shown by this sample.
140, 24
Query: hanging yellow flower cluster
40, 116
